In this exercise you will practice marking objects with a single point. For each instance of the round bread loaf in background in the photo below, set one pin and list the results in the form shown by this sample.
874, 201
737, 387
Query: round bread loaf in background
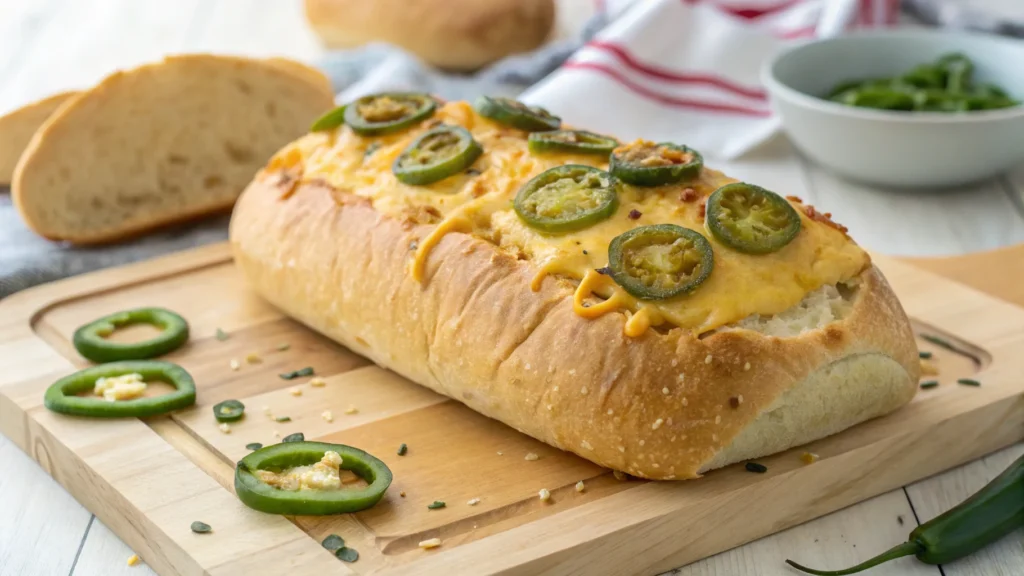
450, 34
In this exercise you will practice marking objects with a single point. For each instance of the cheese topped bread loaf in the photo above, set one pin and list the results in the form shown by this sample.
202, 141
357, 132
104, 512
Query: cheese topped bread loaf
620, 301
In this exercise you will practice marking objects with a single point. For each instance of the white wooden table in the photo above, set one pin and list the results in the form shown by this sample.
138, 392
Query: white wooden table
52, 45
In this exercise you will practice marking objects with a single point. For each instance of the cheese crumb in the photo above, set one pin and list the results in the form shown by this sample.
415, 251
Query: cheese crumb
327, 416
580, 487
473, 502
665, 390
124, 387
642, 442
809, 457
224, 428
714, 437
929, 368
235, 365
133, 559
685, 401
681, 377
530, 456
500, 453
657, 423
555, 389
351, 410
253, 358
295, 391
572, 372
402, 493
718, 419
544, 494
584, 390
707, 360
317, 382
610, 411
549, 406
622, 448
674, 362
323, 475
432, 543
746, 366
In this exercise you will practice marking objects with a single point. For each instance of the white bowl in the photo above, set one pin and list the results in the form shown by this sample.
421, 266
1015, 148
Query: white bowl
903, 149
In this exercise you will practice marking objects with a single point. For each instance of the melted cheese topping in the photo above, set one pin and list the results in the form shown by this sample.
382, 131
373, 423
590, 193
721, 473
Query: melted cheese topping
324, 475
124, 387
479, 202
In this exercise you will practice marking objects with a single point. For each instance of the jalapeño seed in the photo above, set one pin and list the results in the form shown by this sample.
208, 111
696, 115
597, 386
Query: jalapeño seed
755, 467
929, 384
924, 354
297, 437
347, 554
254, 446
307, 371
283, 419
221, 335
402, 449
333, 543
436, 504
200, 527
968, 382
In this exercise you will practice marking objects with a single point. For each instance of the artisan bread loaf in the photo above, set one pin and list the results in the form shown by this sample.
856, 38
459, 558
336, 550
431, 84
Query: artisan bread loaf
17, 128
161, 143
328, 235
452, 34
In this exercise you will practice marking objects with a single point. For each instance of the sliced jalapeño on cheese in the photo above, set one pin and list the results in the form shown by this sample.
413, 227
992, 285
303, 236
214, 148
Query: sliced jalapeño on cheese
388, 113
437, 154
516, 114
567, 198
92, 340
276, 479
64, 395
572, 141
660, 261
644, 163
750, 219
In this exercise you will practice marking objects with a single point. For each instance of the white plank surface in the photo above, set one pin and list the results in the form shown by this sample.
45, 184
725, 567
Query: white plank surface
52, 45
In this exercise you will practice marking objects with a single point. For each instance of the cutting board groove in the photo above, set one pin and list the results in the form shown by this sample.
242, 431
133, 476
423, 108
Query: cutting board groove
149, 480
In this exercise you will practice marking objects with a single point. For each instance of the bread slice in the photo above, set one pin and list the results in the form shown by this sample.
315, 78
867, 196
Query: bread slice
162, 143
17, 128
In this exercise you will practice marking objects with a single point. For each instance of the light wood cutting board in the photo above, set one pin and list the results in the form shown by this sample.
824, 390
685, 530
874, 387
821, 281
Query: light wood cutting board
148, 480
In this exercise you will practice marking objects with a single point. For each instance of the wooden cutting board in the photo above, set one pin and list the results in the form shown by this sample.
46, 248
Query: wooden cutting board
148, 480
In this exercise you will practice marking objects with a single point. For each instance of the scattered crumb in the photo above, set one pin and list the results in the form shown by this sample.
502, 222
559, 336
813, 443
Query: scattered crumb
549, 406
351, 410
619, 475
253, 358
929, 368
500, 453
224, 428
610, 411
657, 423
266, 410
746, 366
707, 359
555, 389
900, 519
295, 391
685, 401
317, 382
473, 502
584, 390
586, 445
235, 365
529, 456
432, 543
283, 346
622, 448
402, 493
133, 559
665, 390
580, 487
327, 416
809, 457
642, 442
544, 494
718, 419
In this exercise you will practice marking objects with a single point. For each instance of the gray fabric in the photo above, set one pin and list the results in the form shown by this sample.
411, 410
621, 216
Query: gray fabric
953, 14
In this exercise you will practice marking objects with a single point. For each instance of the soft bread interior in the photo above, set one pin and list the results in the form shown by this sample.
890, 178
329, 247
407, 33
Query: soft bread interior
818, 309
835, 397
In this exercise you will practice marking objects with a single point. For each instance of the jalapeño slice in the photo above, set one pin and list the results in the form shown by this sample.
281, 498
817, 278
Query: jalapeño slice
258, 495
660, 261
751, 219
229, 411
91, 340
516, 114
389, 112
567, 198
436, 155
63, 395
645, 163
576, 141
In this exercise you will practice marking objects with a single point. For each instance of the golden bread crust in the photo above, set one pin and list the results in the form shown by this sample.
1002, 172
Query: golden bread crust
664, 405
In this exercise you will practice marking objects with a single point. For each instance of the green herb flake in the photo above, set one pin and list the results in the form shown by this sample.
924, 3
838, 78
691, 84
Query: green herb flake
436, 504
297, 437
283, 346
333, 543
924, 354
347, 554
929, 384
968, 382
402, 450
307, 371
254, 446
221, 335
201, 527
283, 419
756, 468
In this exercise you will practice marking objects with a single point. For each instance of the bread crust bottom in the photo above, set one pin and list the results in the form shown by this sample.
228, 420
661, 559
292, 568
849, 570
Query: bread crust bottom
665, 405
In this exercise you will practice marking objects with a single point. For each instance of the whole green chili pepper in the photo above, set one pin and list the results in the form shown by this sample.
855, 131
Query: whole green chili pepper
988, 515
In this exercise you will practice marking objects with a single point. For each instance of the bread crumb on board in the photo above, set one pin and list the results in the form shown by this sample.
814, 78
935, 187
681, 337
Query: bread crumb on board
431, 543
544, 494
133, 559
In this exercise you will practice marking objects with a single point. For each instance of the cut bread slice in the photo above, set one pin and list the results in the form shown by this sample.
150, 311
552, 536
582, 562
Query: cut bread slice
162, 143
17, 128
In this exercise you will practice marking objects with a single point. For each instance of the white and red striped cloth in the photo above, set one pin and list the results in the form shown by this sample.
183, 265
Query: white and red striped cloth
687, 71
